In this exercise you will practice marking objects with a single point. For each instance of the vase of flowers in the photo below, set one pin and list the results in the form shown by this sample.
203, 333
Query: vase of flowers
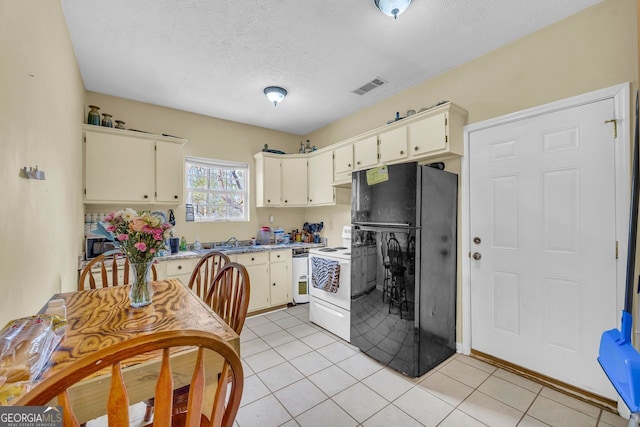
140, 235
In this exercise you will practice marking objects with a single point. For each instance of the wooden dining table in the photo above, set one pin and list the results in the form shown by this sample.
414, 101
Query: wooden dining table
98, 318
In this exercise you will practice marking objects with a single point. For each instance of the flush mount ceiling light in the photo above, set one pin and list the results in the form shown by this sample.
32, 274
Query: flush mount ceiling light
392, 7
275, 94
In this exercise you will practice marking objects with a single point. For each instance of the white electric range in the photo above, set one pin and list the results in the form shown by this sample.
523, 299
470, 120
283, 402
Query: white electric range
331, 310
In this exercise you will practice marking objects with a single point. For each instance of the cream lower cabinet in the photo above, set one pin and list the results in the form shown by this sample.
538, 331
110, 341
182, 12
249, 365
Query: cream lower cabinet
269, 276
257, 265
280, 271
124, 166
180, 269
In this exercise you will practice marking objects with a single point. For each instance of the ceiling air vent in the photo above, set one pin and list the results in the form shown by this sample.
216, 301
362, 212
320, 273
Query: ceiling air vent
369, 86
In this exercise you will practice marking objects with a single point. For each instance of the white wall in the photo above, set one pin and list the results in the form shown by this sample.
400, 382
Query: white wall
41, 98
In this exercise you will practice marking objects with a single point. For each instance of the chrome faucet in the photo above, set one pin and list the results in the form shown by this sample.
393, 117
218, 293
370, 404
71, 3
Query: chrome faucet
231, 241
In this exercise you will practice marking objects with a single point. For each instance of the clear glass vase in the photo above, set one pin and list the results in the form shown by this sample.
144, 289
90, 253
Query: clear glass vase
141, 290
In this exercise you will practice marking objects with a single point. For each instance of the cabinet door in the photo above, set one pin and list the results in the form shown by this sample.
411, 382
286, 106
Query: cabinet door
428, 135
320, 169
365, 152
119, 168
280, 283
169, 172
259, 282
343, 162
294, 182
268, 183
393, 145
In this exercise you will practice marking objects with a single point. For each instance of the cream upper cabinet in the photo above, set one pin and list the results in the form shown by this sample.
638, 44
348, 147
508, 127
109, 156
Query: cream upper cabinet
428, 135
268, 180
392, 145
365, 152
440, 133
120, 166
343, 163
294, 181
169, 172
320, 177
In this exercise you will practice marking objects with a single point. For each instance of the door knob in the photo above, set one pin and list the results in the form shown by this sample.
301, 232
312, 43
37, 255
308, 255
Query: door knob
476, 255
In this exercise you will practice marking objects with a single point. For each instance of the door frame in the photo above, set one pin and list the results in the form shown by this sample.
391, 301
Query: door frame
620, 95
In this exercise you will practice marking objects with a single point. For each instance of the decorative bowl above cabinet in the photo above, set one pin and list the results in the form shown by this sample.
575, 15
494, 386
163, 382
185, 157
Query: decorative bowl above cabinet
123, 166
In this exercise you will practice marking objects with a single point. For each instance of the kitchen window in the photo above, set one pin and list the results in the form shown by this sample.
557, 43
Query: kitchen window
217, 189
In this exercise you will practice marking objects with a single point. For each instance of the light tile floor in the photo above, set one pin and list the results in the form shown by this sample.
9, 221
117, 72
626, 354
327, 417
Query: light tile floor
298, 374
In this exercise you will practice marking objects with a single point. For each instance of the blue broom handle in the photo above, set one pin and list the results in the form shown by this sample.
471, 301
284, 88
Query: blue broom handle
633, 221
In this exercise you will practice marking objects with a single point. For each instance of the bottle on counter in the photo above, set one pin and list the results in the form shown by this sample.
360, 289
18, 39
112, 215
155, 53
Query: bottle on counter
183, 243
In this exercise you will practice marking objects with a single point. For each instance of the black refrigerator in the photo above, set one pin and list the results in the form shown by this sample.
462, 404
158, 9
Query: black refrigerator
403, 265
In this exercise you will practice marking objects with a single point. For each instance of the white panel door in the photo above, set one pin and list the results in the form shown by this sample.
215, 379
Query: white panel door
542, 222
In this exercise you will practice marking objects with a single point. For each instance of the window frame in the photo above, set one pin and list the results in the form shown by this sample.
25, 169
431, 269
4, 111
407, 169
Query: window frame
217, 164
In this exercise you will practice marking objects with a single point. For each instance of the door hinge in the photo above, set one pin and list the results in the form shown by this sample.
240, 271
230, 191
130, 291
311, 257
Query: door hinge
446, 139
378, 156
85, 191
616, 249
84, 139
446, 121
615, 127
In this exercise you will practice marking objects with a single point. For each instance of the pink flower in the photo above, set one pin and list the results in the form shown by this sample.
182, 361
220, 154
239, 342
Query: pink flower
137, 224
153, 251
122, 237
141, 246
109, 217
111, 228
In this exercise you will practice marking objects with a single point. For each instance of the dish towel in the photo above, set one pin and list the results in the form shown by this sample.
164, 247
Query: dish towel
326, 274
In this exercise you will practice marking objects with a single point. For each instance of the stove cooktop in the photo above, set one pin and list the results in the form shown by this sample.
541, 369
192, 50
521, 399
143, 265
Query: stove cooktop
332, 251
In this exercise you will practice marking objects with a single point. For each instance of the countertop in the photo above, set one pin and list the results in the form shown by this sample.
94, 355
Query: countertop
227, 250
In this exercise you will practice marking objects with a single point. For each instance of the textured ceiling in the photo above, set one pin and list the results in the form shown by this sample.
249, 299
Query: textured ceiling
215, 57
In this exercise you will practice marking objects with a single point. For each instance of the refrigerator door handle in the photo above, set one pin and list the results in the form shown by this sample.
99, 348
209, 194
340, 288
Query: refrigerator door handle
383, 224
402, 228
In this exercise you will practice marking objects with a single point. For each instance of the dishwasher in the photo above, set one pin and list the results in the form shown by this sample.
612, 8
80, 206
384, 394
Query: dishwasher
300, 271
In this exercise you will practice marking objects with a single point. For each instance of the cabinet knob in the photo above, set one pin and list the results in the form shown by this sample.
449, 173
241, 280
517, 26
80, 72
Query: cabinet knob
268, 200
175, 197
286, 201
349, 165
401, 152
179, 267
278, 256
311, 200
253, 259
146, 197
358, 162
415, 148
274, 284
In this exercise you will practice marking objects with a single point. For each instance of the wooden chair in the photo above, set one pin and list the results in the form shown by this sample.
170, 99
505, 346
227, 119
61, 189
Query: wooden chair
229, 297
88, 276
205, 271
224, 409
